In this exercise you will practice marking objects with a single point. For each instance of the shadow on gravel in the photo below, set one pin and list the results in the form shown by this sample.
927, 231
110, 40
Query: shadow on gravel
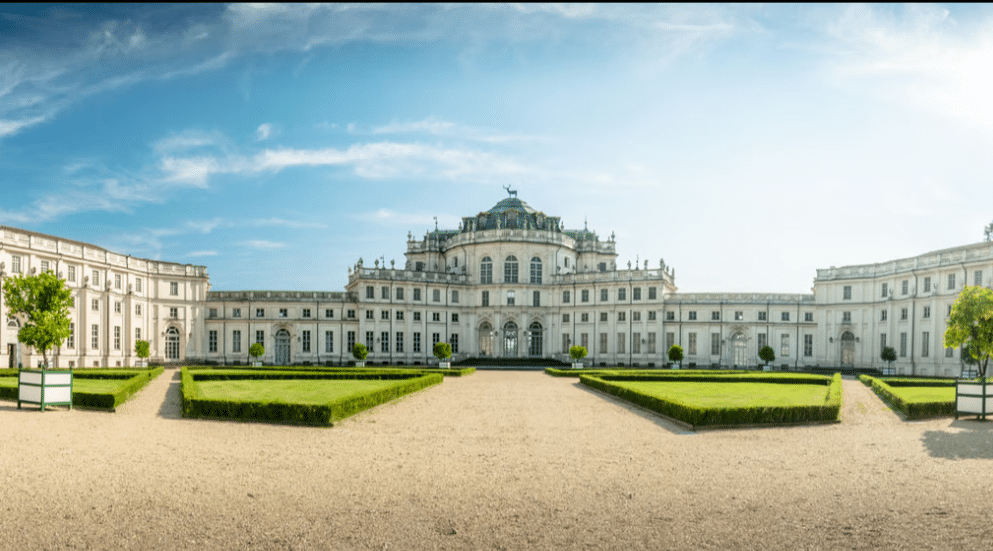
661, 422
172, 406
973, 440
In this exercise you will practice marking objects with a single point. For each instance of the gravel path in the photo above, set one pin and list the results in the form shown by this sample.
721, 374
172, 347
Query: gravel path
497, 460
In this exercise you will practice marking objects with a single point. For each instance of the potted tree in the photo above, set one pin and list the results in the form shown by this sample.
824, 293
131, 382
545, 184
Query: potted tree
42, 304
142, 350
359, 352
256, 351
767, 354
970, 326
675, 355
577, 353
443, 351
888, 355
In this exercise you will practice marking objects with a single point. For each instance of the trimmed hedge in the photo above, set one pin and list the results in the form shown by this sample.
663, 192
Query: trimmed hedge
698, 417
196, 406
913, 409
448, 372
132, 380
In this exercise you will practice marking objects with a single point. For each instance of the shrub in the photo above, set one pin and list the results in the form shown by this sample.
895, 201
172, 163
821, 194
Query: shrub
442, 351
577, 353
359, 351
256, 350
913, 409
676, 354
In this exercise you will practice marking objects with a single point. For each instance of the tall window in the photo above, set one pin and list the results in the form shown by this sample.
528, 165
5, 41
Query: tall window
904, 287
535, 270
117, 281
951, 281
96, 278
622, 294
399, 293
370, 340
305, 340
455, 297
173, 288
417, 294
384, 338
329, 341
117, 337
486, 298
15, 264
212, 341
384, 292
436, 295
715, 344
886, 290
71, 273
903, 345
621, 339
636, 293
71, 340
808, 346
510, 298
236, 341
977, 278
927, 285
455, 343
536, 296
651, 293
847, 293
585, 295
784, 345
137, 284
510, 270
172, 344
417, 342
399, 341
636, 343
137, 333
603, 343
260, 337
925, 344
566, 297
350, 340
603, 295
486, 270
370, 291
691, 344
651, 343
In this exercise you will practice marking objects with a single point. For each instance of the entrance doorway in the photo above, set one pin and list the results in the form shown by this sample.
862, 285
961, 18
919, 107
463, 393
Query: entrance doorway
510, 340
847, 349
535, 339
12, 355
485, 339
172, 344
282, 347
739, 344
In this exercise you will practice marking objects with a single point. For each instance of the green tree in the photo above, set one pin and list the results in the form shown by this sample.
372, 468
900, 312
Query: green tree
577, 353
767, 354
888, 355
359, 351
256, 350
970, 325
442, 351
142, 349
42, 304
675, 353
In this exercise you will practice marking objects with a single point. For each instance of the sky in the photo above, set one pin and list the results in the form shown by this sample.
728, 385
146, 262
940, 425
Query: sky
747, 146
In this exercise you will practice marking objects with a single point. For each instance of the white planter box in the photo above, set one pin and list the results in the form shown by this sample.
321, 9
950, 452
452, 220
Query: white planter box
44, 388
766, 368
444, 365
973, 398
359, 363
577, 365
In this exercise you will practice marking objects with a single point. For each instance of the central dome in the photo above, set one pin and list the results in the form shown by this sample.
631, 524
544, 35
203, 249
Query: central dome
512, 214
511, 204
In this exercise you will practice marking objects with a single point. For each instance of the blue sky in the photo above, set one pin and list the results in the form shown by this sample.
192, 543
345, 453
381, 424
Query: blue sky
746, 145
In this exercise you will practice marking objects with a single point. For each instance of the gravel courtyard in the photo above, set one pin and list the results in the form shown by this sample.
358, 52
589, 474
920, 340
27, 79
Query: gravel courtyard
496, 460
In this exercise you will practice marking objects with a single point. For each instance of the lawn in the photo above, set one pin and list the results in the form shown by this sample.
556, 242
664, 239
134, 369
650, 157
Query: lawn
300, 391
724, 395
932, 398
96, 388
925, 393
79, 384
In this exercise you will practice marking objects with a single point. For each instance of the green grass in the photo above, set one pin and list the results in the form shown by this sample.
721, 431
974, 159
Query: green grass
298, 391
727, 395
915, 398
95, 388
925, 393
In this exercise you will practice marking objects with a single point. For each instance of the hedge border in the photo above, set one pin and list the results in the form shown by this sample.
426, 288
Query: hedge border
196, 406
132, 380
447, 372
912, 409
728, 417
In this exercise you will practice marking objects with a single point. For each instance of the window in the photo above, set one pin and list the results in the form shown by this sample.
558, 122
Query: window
882, 342
486, 298
603, 317
236, 341
585, 296
417, 294
71, 340
925, 344
808, 316
236, 312
886, 290
846, 317
926, 312
652, 293
636, 293
846, 293
715, 344
137, 309
455, 297
436, 295
435, 338
621, 316
418, 266
603, 295
739, 315
174, 312
927, 285
399, 341
15, 264
384, 341
763, 316
651, 315
536, 270
585, 318
882, 315
565, 343
904, 287
305, 340
95, 336
173, 288
417, 342
212, 341
565, 297
715, 315
636, 343
602, 266
370, 341
212, 312
622, 294
565, 318
45, 266
651, 343
384, 315
808, 346
137, 333
260, 312
417, 316
691, 344
635, 316
510, 298
691, 315
117, 281
283, 312
117, 308
95, 304
137, 284
603, 343
384, 292
670, 316
621, 339
510, 270
949, 352
536, 298
260, 337
96, 278
329, 341
399, 315
785, 316
329, 313
399, 293
566, 260
670, 339
584, 340
977, 278
435, 316
350, 339
455, 317
370, 292
454, 341
306, 312
486, 270
903, 313
763, 340
951, 281
71, 273
903, 345
784, 345
370, 314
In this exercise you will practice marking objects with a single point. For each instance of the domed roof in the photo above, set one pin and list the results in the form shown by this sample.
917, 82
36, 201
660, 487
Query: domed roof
511, 204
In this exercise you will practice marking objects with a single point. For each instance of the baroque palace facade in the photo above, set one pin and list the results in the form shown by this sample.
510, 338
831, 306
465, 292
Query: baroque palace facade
510, 282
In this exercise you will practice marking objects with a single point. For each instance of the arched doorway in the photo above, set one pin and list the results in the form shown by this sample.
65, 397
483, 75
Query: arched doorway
510, 340
172, 344
11, 339
282, 352
739, 344
486, 339
534, 339
847, 349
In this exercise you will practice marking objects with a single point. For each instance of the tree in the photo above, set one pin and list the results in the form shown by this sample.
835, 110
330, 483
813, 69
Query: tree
256, 350
442, 351
888, 355
142, 349
359, 351
577, 353
767, 354
42, 303
970, 325
675, 353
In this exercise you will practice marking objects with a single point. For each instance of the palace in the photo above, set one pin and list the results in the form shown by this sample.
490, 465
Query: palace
510, 282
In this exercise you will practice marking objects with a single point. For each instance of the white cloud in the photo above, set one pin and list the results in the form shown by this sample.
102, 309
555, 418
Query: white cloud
263, 245
263, 132
197, 254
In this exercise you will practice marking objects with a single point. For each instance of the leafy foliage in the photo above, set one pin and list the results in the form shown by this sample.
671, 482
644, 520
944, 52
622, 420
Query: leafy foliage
142, 349
767, 354
42, 302
256, 350
888, 355
359, 351
442, 351
675, 353
577, 352
971, 325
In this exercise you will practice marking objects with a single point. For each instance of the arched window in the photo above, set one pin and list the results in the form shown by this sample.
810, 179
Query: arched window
535, 339
510, 270
536, 270
172, 344
510, 340
486, 334
486, 270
